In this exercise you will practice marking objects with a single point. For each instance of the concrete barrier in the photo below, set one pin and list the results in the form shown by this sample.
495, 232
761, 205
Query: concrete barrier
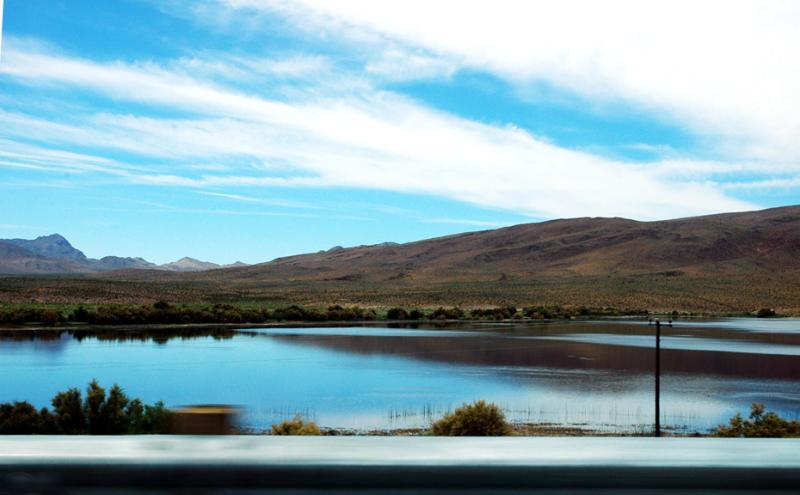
399, 464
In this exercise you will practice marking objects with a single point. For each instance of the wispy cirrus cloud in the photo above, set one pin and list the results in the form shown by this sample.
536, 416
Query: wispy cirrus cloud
260, 200
727, 70
374, 139
781, 183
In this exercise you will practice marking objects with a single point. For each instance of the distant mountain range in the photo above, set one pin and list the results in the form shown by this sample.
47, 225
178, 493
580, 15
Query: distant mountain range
53, 254
723, 263
731, 244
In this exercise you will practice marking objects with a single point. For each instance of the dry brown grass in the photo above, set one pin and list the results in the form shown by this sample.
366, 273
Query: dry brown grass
703, 294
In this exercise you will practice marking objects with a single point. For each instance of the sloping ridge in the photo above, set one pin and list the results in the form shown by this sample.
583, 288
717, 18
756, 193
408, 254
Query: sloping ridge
16, 259
53, 254
731, 244
52, 246
189, 264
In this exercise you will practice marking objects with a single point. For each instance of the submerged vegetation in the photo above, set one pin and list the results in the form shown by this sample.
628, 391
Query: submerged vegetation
162, 312
478, 419
99, 413
760, 424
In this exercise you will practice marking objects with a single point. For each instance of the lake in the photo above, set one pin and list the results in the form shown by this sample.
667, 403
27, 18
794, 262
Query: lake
588, 374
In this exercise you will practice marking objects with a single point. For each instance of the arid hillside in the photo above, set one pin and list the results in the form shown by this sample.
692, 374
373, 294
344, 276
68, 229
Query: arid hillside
721, 263
737, 244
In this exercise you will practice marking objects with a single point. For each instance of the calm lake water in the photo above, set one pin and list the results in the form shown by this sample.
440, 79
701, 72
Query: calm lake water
595, 375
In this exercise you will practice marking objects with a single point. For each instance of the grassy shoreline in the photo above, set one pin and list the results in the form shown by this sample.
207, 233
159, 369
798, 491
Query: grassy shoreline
162, 314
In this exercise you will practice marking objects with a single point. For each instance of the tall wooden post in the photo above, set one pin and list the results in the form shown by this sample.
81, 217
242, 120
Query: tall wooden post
658, 378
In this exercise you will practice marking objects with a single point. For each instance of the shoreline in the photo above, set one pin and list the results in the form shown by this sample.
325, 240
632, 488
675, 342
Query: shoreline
517, 430
36, 327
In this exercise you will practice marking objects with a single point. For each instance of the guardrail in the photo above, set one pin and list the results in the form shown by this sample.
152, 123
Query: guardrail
397, 464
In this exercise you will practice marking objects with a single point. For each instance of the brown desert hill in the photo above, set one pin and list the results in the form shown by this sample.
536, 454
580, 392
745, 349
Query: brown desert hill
733, 244
722, 263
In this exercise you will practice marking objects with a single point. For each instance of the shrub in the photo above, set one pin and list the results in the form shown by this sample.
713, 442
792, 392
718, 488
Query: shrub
478, 419
68, 409
765, 313
106, 414
98, 414
161, 305
296, 426
338, 313
21, 418
155, 419
446, 314
503, 313
292, 313
79, 314
49, 317
397, 314
760, 424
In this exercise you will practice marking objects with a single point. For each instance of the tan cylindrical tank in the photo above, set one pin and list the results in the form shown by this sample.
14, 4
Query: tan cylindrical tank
204, 420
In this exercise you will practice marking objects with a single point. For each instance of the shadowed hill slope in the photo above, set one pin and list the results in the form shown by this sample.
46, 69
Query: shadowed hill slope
17, 257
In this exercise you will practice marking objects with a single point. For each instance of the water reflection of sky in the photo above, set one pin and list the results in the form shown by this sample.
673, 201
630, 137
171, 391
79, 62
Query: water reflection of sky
767, 325
581, 373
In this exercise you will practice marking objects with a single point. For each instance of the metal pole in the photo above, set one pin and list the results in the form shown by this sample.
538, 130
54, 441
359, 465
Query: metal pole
658, 378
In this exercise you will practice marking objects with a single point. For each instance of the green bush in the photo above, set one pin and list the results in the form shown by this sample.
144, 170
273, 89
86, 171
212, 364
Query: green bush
503, 313
21, 418
478, 419
106, 415
68, 410
760, 424
98, 414
296, 426
162, 312
446, 314
144, 419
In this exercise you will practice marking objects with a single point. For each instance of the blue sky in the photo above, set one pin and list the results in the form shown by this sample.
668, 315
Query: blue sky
250, 129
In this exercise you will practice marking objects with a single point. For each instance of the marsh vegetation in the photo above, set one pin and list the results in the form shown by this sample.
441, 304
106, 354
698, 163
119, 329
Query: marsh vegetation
162, 312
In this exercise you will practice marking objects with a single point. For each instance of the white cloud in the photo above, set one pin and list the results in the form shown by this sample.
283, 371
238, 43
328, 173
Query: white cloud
727, 69
248, 69
372, 139
259, 200
396, 64
781, 183
14, 154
